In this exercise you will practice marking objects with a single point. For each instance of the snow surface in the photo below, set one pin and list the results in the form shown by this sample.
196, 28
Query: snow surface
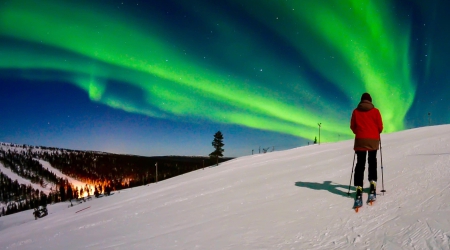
293, 199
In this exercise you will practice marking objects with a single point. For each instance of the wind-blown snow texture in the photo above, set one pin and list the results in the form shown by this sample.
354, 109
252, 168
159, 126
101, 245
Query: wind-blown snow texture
293, 199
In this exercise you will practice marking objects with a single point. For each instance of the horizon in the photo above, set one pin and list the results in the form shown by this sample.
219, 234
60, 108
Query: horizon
102, 152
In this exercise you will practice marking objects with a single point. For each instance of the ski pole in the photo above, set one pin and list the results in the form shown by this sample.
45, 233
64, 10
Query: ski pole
382, 177
353, 165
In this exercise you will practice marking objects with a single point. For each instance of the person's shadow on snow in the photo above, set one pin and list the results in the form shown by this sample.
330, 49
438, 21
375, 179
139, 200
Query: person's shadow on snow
329, 186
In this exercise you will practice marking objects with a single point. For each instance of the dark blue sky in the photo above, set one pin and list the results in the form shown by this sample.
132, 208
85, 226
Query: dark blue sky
161, 77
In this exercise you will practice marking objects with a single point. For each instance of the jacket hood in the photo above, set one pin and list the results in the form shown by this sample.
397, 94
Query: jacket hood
365, 105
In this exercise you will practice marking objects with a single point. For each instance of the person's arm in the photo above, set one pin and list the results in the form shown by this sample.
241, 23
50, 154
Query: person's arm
353, 123
380, 122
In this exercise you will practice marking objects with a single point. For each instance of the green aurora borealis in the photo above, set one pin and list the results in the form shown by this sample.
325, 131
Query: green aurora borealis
280, 66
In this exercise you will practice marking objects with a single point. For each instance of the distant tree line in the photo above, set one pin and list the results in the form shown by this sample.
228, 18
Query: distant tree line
103, 173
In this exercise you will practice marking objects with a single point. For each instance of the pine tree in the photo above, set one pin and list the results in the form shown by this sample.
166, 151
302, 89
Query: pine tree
217, 143
43, 201
69, 192
96, 193
62, 192
76, 193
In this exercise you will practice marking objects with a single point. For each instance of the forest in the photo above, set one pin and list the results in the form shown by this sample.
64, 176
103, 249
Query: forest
102, 172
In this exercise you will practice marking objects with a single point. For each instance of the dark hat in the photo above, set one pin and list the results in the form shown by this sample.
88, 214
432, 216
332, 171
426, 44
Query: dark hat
366, 96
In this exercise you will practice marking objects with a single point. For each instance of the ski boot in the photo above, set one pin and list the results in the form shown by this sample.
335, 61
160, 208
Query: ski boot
358, 198
372, 192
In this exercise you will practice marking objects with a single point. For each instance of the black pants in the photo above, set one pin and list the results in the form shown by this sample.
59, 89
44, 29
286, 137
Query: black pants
360, 166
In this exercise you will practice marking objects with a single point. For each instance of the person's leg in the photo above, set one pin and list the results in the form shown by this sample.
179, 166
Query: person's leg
372, 161
359, 168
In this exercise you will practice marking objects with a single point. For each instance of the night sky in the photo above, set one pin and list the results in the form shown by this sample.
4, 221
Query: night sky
161, 77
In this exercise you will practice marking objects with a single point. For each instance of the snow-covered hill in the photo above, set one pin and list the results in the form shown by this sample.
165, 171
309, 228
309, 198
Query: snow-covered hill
13, 176
293, 199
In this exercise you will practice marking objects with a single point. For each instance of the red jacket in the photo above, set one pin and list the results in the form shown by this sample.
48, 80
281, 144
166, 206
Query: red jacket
366, 124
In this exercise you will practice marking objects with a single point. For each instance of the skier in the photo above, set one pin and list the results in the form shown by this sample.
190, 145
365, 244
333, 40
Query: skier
366, 124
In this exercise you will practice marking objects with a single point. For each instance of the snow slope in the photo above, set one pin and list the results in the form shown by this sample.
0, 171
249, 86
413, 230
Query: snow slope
293, 199
13, 176
75, 183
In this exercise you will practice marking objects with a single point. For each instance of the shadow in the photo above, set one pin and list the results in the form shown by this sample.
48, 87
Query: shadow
330, 187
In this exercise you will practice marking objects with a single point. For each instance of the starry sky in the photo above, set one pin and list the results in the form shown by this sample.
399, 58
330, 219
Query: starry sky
160, 77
